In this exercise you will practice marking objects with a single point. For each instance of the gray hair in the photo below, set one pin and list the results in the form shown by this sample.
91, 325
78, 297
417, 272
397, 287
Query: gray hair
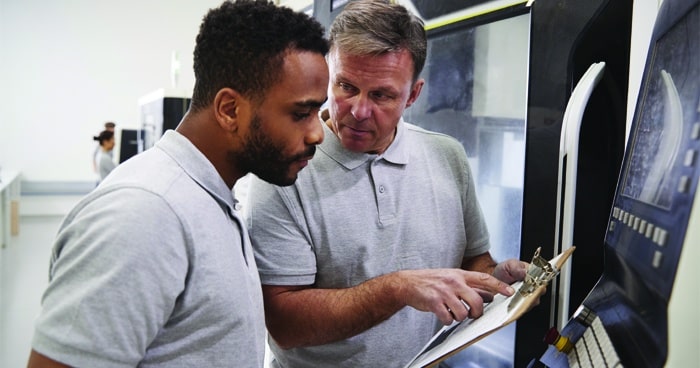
375, 27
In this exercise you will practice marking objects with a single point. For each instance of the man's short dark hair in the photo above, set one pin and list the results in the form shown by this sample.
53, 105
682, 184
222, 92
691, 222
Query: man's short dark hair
241, 45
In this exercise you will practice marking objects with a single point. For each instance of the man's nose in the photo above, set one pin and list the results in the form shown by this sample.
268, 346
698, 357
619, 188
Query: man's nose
361, 108
315, 134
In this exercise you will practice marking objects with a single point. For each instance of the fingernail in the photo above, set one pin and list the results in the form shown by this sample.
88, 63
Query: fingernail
511, 290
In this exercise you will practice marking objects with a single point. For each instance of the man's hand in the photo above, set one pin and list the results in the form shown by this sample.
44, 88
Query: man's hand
452, 294
510, 271
513, 270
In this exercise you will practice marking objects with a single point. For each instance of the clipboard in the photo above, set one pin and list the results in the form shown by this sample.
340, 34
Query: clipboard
497, 314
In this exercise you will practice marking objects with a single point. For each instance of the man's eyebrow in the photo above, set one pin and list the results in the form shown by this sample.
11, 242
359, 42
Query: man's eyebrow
386, 90
311, 103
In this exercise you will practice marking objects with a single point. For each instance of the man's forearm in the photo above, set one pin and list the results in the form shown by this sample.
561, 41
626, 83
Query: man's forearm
309, 316
481, 263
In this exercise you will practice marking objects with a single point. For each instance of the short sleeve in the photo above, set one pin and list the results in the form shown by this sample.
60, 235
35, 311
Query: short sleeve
119, 267
476, 229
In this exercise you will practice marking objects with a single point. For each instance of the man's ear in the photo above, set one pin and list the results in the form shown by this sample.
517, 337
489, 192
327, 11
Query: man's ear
229, 106
415, 92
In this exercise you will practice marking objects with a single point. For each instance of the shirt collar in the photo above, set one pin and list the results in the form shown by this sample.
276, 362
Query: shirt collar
198, 167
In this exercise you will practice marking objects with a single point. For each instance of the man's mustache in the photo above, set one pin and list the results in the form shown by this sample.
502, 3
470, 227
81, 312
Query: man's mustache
309, 152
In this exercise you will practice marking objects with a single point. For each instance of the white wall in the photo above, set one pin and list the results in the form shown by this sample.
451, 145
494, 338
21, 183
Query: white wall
67, 66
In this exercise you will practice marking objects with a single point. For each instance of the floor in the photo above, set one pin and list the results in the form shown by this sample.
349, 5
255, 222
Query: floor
23, 278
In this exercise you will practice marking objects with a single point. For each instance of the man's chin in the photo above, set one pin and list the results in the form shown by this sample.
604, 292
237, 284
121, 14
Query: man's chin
281, 181
286, 182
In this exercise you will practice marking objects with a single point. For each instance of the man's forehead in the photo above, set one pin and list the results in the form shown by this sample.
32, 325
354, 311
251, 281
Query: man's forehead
379, 72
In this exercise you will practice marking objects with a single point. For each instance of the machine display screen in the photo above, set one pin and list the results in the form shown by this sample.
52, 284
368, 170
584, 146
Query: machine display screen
666, 114
651, 216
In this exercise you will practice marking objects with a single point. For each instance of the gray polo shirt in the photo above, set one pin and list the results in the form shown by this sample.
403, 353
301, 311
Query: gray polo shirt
351, 217
154, 269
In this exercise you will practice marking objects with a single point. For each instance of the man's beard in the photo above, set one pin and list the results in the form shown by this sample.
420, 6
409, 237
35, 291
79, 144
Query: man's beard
266, 160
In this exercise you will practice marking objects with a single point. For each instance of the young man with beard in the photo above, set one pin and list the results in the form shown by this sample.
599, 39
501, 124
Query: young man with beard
154, 268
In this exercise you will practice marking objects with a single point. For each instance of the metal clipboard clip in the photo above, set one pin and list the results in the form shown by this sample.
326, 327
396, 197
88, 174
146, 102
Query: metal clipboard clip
539, 272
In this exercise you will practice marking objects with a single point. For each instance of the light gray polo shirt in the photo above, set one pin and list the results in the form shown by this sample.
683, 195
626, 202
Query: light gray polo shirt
154, 269
351, 217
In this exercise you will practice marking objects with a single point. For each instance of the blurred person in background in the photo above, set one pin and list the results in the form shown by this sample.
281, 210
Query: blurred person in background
104, 159
109, 126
